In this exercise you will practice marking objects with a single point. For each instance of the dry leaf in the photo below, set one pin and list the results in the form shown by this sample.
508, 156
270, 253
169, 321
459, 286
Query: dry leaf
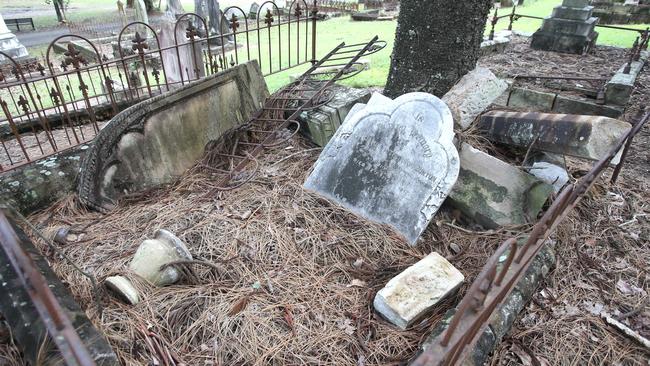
239, 306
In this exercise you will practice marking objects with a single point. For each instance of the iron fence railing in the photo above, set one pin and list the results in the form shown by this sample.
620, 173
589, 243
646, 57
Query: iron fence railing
57, 103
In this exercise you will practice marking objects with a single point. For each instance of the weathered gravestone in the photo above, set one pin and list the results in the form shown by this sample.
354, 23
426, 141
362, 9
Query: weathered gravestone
252, 13
391, 162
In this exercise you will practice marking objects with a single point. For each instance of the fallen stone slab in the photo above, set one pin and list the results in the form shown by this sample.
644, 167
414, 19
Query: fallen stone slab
589, 137
381, 150
493, 193
157, 140
415, 291
473, 94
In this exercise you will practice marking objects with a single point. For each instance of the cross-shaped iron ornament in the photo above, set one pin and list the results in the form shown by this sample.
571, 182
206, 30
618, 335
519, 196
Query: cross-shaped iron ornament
298, 11
139, 43
55, 96
191, 32
73, 57
234, 23
23, 103
268, 18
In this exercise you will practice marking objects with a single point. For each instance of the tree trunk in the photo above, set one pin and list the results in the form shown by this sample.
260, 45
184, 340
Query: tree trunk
436, 43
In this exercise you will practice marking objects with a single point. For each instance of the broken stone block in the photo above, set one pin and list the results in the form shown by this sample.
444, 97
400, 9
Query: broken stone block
494, 193
412, 293
531, 99
320, 124
589, 137
383, 148
552, 174
473, 94
619, 88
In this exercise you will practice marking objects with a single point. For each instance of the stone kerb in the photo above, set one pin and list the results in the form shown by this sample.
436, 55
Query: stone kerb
392, 161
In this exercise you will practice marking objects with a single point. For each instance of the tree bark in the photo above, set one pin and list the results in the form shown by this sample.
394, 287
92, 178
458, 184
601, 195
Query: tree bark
436, 43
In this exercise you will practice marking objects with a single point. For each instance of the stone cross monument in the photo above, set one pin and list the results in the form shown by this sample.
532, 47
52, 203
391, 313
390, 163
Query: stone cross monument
9, 44
569, 29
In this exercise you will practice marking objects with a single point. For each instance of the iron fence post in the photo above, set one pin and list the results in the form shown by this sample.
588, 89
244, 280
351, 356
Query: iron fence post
314, 13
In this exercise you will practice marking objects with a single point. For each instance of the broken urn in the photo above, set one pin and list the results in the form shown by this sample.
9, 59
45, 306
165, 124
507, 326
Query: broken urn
148, 262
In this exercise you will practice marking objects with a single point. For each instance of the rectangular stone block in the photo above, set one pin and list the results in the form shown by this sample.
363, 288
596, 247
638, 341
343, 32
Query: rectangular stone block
589, 137
568, 26
472, 94
619, 88
575, 3
531, 99
494, 193
568, 105
564, 12
415, 291
320, 124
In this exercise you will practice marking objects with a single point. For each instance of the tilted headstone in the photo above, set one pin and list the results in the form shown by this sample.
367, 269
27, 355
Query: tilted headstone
214, 17
392, 162
141, 16
252, 13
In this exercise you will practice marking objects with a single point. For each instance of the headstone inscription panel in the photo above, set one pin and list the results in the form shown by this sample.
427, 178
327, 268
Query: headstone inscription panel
392, 162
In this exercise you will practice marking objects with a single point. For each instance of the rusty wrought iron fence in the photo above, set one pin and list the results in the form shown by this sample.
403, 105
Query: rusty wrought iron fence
60, 102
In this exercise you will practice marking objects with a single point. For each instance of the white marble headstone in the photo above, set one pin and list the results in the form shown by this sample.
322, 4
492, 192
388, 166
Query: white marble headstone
391, 161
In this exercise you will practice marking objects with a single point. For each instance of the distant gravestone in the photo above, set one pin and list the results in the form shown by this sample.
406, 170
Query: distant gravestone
252, 13
392, 162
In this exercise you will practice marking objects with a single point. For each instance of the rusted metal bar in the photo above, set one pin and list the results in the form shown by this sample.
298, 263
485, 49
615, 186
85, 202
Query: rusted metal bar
58, 324
554, 77
493, 285
275, 110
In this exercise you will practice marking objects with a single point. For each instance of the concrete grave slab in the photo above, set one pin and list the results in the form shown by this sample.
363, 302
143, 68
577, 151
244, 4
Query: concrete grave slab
157, 140
391, 162
589, 137
473, 94
494, 193
410, 294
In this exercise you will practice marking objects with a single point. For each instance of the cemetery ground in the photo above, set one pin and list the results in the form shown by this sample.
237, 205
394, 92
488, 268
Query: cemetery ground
282, 276
291, 276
